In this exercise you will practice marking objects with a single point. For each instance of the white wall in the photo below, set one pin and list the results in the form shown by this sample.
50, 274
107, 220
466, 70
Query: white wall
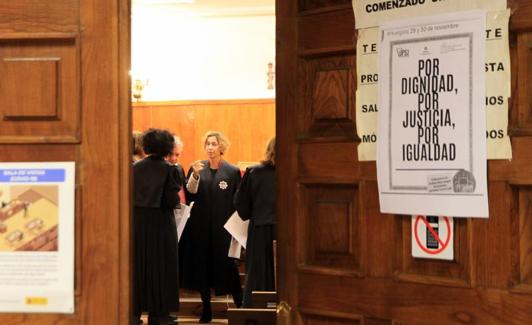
188, 56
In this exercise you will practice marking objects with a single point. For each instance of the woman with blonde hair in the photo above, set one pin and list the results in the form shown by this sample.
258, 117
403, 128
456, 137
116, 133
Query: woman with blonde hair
255, 201
204, 244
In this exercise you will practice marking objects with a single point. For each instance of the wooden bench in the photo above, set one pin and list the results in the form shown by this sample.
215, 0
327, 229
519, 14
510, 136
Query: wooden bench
251, 316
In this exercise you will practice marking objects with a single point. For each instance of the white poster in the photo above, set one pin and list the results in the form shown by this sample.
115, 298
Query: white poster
371, 13
431, 149
497, 70
37, 237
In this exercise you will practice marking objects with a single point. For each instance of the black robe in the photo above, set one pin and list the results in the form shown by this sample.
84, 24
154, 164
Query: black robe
181, 174
155, 252
255, 200
204, 244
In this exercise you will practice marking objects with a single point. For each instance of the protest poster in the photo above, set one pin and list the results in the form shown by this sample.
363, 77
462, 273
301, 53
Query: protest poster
431, 149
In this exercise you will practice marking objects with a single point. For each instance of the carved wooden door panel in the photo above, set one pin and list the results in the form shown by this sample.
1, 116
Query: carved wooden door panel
343, 262
64, 97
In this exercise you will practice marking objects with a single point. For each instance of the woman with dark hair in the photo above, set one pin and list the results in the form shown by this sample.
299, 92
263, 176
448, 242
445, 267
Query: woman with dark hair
155, 253
255, 201
204, 243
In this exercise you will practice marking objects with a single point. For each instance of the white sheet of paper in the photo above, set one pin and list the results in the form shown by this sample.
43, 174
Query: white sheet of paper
367, 94
433, 135
181, 216
238, 228
234, 249
371, 13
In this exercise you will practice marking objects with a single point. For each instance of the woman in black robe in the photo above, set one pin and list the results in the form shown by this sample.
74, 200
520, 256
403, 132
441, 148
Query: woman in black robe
255, 201
204, 244
155, 272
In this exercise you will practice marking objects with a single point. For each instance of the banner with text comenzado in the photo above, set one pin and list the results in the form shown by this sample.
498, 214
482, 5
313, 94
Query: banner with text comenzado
431, 149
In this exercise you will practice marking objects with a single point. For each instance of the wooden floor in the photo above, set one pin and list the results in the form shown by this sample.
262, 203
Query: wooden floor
190, 320
190, 308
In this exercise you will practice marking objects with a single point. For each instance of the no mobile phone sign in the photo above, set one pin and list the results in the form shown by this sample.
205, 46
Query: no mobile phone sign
432, 237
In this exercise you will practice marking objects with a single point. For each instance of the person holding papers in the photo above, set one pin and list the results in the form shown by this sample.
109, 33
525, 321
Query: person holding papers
255, 201
155, 253
204, 244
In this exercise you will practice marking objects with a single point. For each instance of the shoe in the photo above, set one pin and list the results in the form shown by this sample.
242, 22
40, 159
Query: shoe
237, 299
159, 320
206, 316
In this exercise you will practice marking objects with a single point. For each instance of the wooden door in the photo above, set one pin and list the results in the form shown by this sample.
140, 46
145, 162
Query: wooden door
64, 97
343, 262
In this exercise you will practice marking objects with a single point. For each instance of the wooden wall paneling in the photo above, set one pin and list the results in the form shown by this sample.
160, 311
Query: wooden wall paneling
329, 99
305, 5
142, 118
45, 152
492, 239
380, 232
331, 230
377, 321
38, 99
217, 119
524, 80
49, 51
40, 92
241, 125
521, 13
34, 16
258, 134
313, 317
125, 120
164, 116
232, 125
78, 242
315, 30
177, 119
410, 303
185, 127
333, 162
248, 124
104, 176
286, 120
491, 256
521, 131
330, 94
520, 173
522, 247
